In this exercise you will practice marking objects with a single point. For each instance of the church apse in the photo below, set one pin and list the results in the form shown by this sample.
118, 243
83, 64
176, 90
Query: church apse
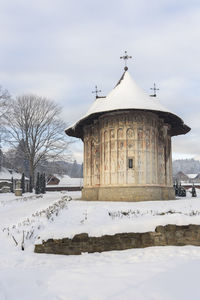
127, 144
127, 149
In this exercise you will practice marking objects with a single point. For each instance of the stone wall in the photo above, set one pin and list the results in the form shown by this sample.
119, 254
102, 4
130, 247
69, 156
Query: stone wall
169, 235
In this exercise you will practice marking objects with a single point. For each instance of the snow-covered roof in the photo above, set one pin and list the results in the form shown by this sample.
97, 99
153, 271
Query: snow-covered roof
66, 180
191, 176
6, 174
127, 95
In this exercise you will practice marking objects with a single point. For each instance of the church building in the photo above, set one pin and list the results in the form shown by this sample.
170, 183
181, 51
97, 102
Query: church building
127, 145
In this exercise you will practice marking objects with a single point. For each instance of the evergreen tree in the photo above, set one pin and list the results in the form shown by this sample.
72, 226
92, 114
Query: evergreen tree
37, 187
23, 183
30, 185
1, 156
43, 183
12, 185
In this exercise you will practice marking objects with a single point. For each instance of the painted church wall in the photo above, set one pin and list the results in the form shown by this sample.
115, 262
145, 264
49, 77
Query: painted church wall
129, 148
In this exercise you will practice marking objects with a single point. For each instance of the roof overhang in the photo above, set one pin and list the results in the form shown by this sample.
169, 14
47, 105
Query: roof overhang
177, 125
128, 96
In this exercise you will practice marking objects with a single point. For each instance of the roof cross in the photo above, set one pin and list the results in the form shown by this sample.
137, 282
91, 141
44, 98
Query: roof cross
125, 58
154, 90
96, 91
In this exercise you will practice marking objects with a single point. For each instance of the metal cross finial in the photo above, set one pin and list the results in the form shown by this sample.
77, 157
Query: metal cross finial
125, 58
96, 91
154, 90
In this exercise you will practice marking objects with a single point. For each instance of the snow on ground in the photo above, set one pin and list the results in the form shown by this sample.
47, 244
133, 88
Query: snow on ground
152, 273
99, 218
14, 209
169, 273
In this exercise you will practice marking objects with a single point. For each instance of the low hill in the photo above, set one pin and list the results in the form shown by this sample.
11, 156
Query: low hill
187, 166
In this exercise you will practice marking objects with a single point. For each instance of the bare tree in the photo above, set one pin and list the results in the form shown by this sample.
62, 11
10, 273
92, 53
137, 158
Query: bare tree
4, 105
34, 123
4, 101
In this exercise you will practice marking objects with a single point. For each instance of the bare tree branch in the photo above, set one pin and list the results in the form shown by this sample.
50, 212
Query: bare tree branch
4, 103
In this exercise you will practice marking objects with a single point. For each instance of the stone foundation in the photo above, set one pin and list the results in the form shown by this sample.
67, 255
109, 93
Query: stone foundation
169, 235
135, 193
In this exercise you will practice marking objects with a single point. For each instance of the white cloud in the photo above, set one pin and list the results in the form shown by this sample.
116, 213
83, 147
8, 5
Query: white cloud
62, 49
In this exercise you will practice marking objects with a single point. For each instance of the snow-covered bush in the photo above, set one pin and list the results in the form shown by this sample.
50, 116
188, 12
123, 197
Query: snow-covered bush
29, 228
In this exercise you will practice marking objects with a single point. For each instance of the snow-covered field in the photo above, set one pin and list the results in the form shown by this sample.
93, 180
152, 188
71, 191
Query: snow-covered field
151, 273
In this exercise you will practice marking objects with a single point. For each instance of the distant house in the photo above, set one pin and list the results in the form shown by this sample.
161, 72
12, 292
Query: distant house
194, 178
52, 180
63, 183
180, 176
187, 180
6, 176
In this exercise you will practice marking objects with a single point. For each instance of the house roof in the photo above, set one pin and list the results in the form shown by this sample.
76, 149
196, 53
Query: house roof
7, 174
66, 181
180, 173
192, 176
127, 95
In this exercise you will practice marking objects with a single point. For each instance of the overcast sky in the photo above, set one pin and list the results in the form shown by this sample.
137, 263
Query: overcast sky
61, 49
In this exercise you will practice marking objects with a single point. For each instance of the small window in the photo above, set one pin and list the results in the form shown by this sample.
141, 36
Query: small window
130, 163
